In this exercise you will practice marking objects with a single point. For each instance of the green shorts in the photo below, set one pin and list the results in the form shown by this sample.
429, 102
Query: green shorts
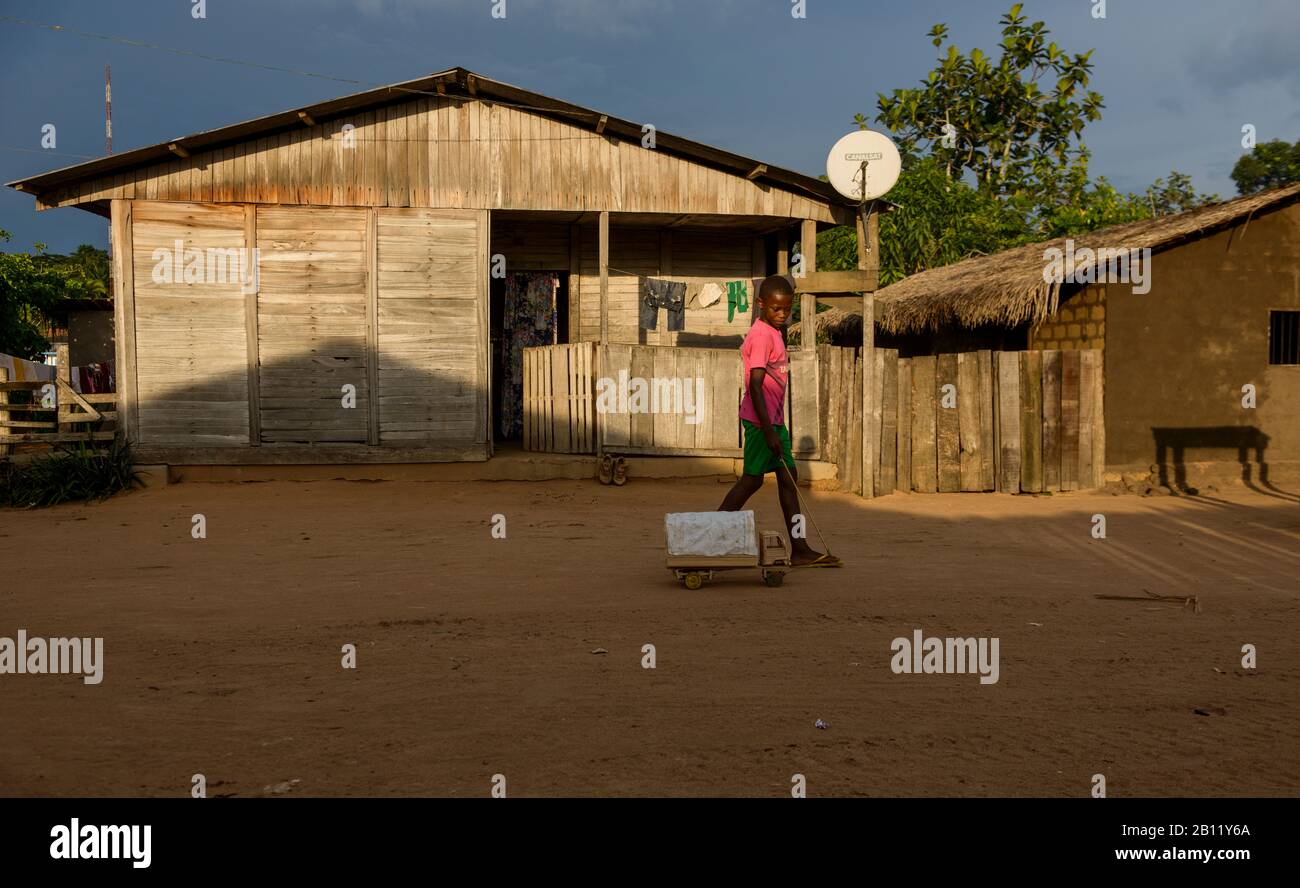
758, 456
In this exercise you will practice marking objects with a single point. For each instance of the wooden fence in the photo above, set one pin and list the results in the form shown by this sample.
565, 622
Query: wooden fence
51, 413
690, 407
840, 377
1012, 422
698, 420
559, 405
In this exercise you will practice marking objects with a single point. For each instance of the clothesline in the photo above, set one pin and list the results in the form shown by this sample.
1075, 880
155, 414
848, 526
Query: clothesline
671, 276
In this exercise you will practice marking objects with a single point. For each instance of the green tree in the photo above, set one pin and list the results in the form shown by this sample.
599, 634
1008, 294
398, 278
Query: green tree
936, 220
86, 264
994, 119
1268, 165
31, 286
1176, 195
1100, 205
993, 157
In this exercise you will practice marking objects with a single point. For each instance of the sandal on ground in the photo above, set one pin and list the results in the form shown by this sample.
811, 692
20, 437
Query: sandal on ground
620, 471
826, 560
606, 469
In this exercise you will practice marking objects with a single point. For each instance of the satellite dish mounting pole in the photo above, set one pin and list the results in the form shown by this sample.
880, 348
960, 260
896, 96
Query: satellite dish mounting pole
862, 166
870, 421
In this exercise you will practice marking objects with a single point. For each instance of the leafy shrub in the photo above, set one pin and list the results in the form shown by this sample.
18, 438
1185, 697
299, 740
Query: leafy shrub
79, 473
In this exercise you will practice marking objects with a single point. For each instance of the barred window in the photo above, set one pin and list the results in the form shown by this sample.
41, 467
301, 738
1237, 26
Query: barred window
1284, 337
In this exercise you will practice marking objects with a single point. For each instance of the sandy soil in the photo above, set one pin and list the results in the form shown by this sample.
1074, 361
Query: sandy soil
476, 655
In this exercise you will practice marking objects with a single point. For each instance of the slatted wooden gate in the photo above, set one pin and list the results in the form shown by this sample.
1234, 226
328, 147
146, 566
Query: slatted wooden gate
691, 400
559, 406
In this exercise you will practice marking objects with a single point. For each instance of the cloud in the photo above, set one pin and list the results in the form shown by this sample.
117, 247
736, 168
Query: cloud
1259, 51
590, 18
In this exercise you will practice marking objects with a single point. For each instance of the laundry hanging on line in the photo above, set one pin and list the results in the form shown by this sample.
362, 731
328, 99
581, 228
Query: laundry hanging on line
657, 293
709, 293
678, 296
737, 299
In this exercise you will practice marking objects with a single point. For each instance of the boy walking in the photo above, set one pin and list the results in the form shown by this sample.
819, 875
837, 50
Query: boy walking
762, 416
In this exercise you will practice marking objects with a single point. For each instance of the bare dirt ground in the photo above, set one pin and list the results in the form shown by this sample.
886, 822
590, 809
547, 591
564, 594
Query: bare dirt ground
476, 655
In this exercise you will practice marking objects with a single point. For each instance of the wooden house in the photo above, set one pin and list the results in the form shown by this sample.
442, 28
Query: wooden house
321, 285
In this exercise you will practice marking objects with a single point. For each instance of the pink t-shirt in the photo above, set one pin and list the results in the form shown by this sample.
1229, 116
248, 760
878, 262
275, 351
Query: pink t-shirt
764, 349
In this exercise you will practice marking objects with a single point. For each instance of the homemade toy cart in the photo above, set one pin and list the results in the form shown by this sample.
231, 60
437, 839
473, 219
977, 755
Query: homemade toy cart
702, 543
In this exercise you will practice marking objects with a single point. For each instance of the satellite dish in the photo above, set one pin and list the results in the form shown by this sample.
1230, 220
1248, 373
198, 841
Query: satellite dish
863, 165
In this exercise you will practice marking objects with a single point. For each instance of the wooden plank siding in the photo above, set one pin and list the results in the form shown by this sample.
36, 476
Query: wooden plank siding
430, 328
392, 302
457, 154
191, 347
312, 316
692, 256
1004, 434
947, 413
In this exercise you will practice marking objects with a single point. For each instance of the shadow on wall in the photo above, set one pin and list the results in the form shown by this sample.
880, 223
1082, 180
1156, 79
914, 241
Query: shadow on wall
316, 393
1250, 443
707, 340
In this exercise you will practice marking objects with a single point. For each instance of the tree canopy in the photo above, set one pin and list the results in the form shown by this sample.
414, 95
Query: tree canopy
1268, 165
994, 157
33, 284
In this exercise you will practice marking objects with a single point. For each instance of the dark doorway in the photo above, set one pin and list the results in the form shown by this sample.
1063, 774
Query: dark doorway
528, 309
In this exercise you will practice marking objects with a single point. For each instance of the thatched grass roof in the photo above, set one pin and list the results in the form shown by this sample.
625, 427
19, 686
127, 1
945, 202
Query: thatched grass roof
1009, 287
842, 326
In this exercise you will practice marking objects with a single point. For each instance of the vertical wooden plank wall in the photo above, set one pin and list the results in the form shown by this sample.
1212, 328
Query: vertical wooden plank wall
1099, 418
887, 372
714, 402
925, 467
802, 406
603, 236
190, 385
6, 449
988, 412
429, 326
859, 480
1008, 446
842, 439
314, 329
948, 448
617, 427
1052, 420
1070, 419
903, 481
371, 250
968, 416
1031, 421
1004, 433
250, 329
124, 319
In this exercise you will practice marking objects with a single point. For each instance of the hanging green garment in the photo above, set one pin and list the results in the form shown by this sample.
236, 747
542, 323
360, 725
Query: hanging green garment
737, 299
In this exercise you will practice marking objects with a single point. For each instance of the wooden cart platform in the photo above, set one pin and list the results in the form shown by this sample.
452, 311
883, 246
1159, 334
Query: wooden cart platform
773, 560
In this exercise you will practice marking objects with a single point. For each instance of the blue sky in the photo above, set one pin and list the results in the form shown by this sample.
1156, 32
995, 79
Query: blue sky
1180, 77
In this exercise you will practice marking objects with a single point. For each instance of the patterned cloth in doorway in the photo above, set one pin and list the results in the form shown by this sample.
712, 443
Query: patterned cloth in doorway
529, 320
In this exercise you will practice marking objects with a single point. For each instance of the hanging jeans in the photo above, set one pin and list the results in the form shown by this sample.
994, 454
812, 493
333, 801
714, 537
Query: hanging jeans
657, 293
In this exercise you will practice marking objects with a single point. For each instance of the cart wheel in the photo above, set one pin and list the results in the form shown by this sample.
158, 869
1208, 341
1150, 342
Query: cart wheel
693, 581
773, 577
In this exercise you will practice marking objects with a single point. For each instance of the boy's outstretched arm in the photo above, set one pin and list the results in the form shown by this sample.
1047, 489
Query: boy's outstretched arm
756, 377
